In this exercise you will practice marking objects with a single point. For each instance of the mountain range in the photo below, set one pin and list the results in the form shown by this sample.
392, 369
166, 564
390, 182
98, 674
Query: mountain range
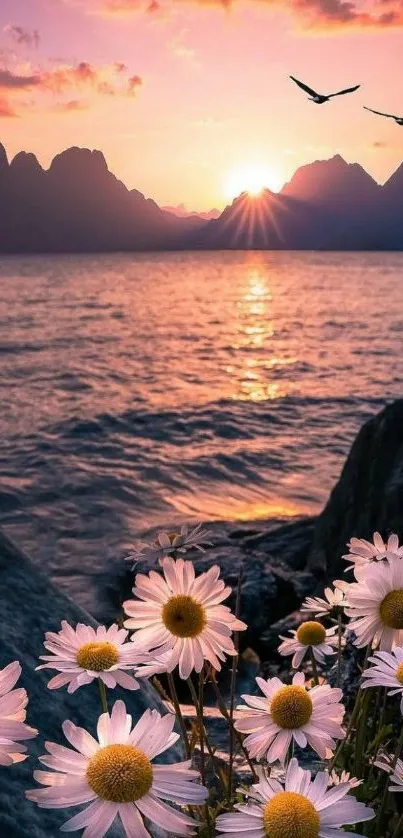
78, 205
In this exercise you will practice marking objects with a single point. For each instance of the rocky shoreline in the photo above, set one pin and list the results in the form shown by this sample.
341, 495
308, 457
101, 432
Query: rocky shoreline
280, 564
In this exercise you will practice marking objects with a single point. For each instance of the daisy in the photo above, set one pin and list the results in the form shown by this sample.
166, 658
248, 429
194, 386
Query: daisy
311, 636
183, 614
116, 777
396, 773
375, 604
157, 665
12, 716
362, 552
84, 653
300, 807
386, 672
344, 777
169, 543
291, 712
334, 600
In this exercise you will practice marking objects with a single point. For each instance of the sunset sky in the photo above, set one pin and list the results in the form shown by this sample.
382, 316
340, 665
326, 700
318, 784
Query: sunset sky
183, 96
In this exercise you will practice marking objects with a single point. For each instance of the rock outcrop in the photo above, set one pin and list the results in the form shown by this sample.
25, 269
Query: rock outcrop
29, 606
368, 495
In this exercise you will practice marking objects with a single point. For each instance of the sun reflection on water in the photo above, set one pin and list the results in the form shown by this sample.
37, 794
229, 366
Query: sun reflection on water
253, 347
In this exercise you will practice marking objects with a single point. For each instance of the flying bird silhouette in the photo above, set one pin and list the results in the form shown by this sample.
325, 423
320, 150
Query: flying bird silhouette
398, 119
320, 98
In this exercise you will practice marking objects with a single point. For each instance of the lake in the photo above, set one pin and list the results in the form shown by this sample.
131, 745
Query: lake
144, 390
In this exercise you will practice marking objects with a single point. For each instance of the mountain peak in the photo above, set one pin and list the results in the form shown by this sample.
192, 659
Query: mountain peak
3, 158
332, 182
396, 180
25, 163
76, 160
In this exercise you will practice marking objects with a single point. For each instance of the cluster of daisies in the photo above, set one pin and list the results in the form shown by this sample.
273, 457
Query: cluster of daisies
177, 625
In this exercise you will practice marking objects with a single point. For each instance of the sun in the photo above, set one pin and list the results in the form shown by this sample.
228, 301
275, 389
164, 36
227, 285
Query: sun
252, 179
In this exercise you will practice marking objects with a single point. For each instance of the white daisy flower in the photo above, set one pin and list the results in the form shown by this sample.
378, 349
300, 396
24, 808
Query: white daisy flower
386, 672
334, 600
310, 636
300, 807
116, 777
291, 712
362, 552
183, 614
168, 543
84, 653
396, 773
12, 716
344, 777
157, 665
375, 604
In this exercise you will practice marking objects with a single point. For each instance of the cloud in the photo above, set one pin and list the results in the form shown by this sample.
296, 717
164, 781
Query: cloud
133, 84
14, 81
124, 8
64, 80
310, 14
24, 37
6, 109
72, 106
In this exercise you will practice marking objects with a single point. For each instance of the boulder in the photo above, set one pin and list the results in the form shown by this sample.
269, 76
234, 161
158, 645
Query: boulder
29, 606
368, 495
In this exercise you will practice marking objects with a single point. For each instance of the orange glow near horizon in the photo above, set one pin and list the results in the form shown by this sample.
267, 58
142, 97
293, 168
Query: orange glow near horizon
252, 179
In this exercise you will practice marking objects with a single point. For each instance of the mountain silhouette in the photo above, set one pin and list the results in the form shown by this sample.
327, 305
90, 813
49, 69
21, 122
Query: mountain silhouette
269, 221
182, 212
78, 205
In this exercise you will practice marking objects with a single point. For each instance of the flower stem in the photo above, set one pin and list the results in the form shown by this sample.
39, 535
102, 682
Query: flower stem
399, 828
201, 727
339, 636
205, 737
353, 718
224, 712
199, 704
361, 732
102, 693
314, 667
178, 711
234, 669
399, 747
350, 727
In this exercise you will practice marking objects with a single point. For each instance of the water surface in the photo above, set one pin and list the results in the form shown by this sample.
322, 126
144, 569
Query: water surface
143, 390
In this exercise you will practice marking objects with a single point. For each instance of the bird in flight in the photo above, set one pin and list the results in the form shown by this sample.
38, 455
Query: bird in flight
398, 119
320, 98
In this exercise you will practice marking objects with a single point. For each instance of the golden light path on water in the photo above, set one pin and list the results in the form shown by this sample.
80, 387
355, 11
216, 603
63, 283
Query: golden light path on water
255, 327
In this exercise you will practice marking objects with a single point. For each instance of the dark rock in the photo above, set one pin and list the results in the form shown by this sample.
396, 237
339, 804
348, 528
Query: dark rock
368, 495
30, 606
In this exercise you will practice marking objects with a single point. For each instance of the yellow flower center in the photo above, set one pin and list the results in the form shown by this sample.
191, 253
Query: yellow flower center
391, 609
120, 773
399, 673
290, 815
291, 707
97, 656
311, 633
183, 616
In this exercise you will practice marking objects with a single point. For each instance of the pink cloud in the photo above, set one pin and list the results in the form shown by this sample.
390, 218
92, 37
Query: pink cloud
23, 37
6, 108
313, 14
